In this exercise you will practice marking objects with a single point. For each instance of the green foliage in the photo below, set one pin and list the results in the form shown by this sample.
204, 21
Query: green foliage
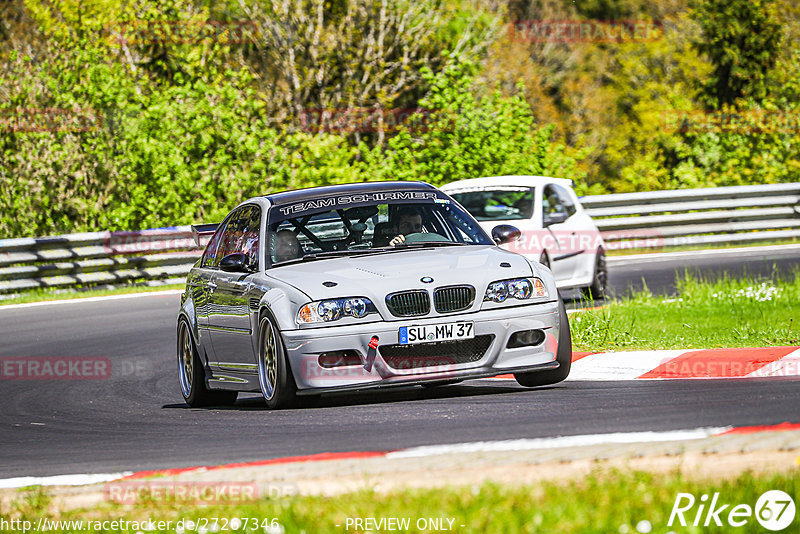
151, 156
125, 121
458, 135
742, 39
129, 114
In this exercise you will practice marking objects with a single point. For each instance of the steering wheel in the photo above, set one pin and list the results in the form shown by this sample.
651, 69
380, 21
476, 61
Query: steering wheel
422, 237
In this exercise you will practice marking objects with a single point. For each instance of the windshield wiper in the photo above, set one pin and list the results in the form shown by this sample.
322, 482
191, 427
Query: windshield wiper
329, 254
367, 251
428, 244
311, 256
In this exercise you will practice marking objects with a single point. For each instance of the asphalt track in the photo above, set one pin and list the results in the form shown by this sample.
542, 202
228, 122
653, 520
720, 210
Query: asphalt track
136, 419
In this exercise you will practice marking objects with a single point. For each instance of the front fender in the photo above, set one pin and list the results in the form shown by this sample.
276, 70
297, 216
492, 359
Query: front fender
282, 307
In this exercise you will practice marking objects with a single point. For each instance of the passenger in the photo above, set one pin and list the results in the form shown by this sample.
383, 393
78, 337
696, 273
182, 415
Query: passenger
384, 231
287, 246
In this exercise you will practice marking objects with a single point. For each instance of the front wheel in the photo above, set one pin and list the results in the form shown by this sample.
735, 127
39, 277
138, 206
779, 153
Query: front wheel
192, 376
274, 376
563, 356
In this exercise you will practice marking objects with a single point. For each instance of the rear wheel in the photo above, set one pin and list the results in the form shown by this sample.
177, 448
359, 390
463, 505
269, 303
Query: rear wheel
274, 376
563, 356
192, 375
597, 290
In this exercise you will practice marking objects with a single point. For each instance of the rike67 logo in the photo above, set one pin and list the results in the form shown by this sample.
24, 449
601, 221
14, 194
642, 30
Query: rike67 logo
774, 510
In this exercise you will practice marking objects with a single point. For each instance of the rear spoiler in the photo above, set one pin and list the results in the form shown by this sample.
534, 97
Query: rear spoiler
200, 231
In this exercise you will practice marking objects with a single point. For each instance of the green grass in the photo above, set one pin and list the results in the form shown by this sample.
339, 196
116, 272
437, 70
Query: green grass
41, 295
729, 312
604, 502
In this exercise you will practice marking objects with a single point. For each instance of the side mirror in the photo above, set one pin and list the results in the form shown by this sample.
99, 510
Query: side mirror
555, 218
505, 233
235, 263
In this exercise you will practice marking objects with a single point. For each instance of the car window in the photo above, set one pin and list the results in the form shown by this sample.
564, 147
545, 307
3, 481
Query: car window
248, 244
368, 226
506, 203
556, 200
210, 257
241, 234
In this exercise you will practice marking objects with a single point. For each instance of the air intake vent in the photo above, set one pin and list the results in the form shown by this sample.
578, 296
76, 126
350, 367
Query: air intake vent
409, 303
254, 304
442, 356
453, 298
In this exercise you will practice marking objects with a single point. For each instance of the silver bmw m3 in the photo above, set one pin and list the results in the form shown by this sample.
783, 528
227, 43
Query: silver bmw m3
351, 287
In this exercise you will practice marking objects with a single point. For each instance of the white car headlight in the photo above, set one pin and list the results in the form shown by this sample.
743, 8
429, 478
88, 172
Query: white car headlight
517, 288
325, 311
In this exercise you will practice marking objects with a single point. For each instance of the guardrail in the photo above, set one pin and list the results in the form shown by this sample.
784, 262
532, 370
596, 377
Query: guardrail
629, 220
94, 258
691, 217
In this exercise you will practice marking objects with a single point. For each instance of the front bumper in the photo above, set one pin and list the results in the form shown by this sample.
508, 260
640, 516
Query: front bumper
304, 347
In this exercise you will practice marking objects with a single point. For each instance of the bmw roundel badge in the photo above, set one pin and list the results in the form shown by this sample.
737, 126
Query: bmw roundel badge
426, 279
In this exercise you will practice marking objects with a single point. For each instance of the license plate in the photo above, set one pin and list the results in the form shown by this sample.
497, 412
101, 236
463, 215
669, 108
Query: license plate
431, 333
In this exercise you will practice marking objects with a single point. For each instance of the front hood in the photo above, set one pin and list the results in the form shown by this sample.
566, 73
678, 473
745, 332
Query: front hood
376, 275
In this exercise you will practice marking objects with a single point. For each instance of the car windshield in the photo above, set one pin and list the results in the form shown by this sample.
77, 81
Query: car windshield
500, 204
321, 228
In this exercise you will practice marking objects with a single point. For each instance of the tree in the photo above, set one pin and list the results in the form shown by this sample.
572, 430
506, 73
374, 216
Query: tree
742, 39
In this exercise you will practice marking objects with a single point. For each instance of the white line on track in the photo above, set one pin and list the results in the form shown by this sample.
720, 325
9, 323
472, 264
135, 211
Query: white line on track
627, 365
432, 450
81, 300
558, 442
666, 256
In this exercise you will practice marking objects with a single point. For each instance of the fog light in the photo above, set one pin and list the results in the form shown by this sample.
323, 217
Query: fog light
525, 338
339, 358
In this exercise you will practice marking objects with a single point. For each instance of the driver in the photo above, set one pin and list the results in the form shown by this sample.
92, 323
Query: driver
287, 246
409, 221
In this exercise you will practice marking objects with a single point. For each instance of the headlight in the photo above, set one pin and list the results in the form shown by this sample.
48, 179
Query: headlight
518, 288
325, 311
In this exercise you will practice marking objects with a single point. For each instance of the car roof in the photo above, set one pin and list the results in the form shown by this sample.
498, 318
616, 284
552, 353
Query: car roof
513, 181
299, 195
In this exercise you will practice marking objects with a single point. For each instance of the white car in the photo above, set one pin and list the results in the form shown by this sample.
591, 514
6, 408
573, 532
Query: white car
556, 231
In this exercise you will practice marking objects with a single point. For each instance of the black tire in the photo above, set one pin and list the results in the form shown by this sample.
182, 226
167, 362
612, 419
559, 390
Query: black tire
599, 286
192, 374
563, 357
274, 375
